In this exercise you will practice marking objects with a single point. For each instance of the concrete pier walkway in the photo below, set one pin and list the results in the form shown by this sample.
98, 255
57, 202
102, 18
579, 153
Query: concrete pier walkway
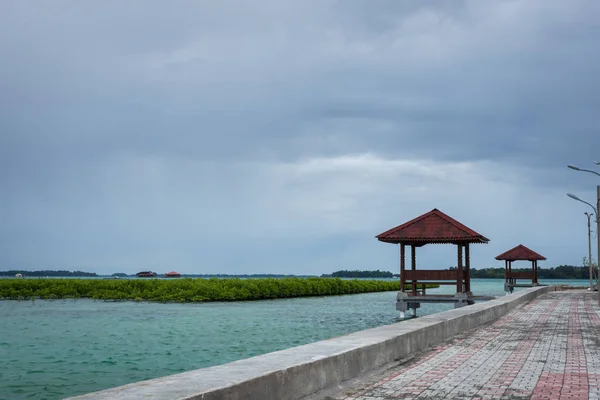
547, 349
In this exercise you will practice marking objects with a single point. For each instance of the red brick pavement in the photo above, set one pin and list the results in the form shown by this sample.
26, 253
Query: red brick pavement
547, 349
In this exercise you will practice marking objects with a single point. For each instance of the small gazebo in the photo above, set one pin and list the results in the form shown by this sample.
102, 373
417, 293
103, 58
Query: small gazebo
520, 253
433, 227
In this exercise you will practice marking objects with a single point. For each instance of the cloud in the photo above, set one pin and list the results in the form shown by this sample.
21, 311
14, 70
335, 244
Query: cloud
285, 135
203, 216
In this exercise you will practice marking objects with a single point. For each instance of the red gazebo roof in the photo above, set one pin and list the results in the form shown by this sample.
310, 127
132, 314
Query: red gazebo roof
432, 227
520, 253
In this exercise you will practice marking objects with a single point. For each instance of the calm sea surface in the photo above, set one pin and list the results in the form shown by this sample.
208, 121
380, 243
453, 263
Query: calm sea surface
50, 349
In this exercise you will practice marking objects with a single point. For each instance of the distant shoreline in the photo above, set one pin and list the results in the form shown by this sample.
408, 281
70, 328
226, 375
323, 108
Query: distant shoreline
81, 274
559, 272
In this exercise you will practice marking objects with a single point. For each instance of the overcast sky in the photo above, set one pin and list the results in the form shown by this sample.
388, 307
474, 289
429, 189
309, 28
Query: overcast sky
281, 136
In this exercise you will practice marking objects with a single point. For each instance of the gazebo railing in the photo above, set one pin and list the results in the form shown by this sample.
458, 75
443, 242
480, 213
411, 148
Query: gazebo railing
520, 275
431, 275
437, 277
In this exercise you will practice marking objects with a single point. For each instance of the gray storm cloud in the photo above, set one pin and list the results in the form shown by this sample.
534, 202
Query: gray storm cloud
282, 136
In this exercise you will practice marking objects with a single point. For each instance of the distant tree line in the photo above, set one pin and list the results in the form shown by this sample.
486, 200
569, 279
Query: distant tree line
560, 272
47, 273
244, 275
63, 273
359, 274
123, 275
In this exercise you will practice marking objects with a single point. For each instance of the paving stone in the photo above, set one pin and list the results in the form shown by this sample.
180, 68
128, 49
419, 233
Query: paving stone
547, 349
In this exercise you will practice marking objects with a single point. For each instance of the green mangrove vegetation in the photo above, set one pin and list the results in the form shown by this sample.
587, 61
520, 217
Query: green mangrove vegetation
187, 289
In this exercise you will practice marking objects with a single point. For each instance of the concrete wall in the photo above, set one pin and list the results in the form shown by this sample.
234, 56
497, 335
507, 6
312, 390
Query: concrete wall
304, 370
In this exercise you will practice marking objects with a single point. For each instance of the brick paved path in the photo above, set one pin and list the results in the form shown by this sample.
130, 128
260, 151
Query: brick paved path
547, 349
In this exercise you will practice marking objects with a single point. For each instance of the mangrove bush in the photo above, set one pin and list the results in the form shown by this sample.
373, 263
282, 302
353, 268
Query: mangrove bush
187, 289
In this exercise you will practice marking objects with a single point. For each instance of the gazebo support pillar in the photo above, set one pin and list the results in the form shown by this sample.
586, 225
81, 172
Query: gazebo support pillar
467, 269
459, 280
401, 293
402, 267
413, 267
506, 287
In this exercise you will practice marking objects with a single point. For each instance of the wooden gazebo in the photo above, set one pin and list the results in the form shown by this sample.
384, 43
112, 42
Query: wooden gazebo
520, 253
434, 227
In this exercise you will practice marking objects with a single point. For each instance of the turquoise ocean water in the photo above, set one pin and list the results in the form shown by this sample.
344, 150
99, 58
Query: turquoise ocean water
52, 349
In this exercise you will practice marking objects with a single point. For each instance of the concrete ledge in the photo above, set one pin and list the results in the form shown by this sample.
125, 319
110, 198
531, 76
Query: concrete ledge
301, 371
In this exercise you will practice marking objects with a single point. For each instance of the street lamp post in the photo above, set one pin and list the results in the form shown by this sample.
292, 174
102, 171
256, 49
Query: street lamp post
596, 209
588, 215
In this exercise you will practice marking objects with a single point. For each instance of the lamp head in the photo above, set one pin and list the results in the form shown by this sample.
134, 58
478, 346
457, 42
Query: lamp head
573, 167
571, 195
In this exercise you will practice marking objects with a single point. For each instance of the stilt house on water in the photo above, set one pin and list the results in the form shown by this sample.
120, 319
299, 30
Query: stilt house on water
172, 274
433, 227
524, 254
